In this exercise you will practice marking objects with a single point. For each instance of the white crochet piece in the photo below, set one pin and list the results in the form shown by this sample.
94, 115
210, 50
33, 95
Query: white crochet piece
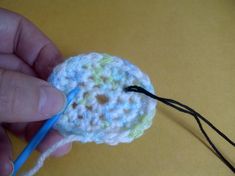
102, 112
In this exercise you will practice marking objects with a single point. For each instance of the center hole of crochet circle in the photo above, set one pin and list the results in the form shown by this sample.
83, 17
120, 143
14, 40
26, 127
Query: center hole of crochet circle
102, 99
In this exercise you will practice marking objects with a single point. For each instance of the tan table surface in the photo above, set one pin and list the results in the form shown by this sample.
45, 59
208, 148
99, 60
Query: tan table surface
188, 49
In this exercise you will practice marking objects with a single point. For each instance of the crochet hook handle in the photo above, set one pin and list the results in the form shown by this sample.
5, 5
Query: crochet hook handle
41, 134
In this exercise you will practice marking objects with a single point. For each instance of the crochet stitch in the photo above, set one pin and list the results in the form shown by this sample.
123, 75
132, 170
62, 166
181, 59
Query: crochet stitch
102, 112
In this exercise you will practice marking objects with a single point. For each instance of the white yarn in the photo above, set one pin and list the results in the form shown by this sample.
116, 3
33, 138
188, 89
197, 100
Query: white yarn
48, 152
101, 112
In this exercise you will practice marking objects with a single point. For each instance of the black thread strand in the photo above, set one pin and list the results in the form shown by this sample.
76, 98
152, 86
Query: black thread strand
186, 109
205, 120
190, 110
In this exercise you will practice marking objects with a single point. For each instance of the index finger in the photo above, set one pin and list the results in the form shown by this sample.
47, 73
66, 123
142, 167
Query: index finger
22, 38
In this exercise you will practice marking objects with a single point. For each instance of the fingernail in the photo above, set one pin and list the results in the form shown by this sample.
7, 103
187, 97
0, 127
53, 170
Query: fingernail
7, 168
12, 168
51, 101
65, 149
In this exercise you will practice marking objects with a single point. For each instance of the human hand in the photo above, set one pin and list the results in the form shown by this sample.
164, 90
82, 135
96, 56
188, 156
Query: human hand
26, 59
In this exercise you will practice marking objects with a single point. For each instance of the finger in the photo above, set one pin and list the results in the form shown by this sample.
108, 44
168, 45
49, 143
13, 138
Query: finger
24, 39
52, 137
18, 129
12, 62
6, 165
24, 98
28, 130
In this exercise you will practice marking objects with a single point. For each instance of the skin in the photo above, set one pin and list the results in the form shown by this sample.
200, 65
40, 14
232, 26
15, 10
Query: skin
27, 57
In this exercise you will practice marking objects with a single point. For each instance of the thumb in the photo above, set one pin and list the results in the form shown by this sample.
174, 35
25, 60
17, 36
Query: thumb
24, 98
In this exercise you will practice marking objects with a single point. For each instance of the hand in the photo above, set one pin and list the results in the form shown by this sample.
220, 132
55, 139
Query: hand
26, 59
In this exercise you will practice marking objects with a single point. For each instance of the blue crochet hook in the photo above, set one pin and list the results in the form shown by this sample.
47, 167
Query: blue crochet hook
41, 134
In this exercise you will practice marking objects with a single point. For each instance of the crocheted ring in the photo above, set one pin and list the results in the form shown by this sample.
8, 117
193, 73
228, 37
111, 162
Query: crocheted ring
103, 112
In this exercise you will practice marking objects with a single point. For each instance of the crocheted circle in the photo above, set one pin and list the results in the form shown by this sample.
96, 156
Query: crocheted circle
103, 112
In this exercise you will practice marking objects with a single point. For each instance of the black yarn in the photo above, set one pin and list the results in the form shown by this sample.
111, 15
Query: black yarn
186, 109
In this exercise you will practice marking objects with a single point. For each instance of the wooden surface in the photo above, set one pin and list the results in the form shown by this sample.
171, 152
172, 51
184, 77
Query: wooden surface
188, 49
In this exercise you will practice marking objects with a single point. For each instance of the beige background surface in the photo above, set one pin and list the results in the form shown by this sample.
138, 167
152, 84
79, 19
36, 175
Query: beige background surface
188, 49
